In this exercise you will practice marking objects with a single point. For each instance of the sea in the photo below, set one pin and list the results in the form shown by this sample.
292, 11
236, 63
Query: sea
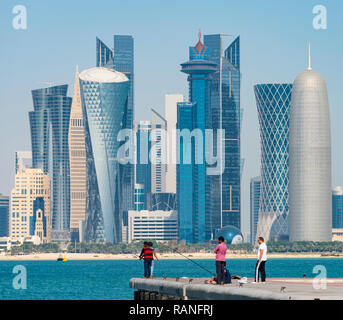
109, 280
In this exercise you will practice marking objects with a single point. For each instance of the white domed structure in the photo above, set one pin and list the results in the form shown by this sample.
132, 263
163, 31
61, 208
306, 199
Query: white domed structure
310, 212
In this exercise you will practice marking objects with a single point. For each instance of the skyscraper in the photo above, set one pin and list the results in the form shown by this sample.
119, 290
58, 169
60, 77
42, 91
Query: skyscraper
4, 216
49, 124
104, 55
104, 95
30, 205
143, 164
200, 69
225, 189
121, 59
77, 162
310, 207
171, 101
185, 174
273, 104
337, 208
255, 196
158, 152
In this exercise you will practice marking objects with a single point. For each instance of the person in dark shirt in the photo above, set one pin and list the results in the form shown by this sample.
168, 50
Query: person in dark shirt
148, 254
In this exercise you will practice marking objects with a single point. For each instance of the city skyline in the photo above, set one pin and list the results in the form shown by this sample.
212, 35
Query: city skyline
250, 151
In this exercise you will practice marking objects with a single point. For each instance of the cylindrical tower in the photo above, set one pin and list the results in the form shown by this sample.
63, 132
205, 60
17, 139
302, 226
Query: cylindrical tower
104, 95
310, 211
273, 102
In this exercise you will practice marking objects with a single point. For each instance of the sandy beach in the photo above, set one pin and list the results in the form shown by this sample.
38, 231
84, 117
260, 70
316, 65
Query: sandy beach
102, 256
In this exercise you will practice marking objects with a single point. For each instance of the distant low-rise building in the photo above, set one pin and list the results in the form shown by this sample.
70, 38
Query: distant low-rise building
153, 225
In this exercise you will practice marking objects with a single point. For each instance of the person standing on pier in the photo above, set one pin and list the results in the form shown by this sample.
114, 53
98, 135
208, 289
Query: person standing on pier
148, 255
220, 252
261, 261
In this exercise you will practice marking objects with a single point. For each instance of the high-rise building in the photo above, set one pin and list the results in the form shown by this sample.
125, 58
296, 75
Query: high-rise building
104, 97
273, 105
255, 196
185, 174
158, 152
23, 159
310, 206
4, 216
121, 59
77, 163
225, 189
104, 55
171, 101
49, 124
337, 208
200, 70
30, 205
143, 164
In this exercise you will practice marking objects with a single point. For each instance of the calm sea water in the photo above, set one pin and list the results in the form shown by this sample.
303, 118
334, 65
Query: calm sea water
110, 279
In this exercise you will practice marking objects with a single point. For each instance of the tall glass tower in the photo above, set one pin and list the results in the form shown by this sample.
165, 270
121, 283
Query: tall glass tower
200, 69
273, 106
49, 124
121, 59
104, 96
225, 189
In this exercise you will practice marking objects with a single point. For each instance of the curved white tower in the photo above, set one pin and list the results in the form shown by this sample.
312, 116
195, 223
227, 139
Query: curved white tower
310, 212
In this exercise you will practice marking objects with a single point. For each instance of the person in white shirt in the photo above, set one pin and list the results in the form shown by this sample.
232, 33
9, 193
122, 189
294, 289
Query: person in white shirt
261, 261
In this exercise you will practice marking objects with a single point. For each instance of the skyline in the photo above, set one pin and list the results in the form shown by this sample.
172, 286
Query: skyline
258, 66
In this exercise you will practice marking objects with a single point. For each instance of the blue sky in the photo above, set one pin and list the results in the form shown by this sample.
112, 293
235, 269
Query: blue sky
61, 34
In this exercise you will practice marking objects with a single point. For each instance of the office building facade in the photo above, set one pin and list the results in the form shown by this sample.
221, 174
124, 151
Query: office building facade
310, 196
77, 163
153, 225
255, 196
337, 208
49, 123
171, 101
200, 70
225, 189
104, 95
185, 174
30, 206
273, 106
4, 215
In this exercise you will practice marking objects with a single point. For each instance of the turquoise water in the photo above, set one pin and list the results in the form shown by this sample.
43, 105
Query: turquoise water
110, 279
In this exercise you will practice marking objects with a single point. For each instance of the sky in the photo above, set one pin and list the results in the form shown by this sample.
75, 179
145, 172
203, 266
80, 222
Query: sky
61, 34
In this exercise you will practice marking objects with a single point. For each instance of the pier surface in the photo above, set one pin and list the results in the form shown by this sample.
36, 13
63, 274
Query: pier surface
273, 289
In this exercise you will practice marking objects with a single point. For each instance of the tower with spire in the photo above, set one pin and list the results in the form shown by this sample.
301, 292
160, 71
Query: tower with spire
310, 211
199, 70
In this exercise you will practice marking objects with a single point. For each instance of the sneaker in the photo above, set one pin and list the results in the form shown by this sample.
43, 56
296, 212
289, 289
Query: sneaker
254, 282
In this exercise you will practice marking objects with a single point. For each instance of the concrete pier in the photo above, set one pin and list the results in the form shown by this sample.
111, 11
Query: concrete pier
273, 289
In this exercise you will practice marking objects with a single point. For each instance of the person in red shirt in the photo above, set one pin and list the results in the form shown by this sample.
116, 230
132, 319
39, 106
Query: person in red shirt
220, 252
148, 255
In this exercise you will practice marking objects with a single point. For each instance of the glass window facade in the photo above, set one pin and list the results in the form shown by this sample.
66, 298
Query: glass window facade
337, 208
4, 216
273, 106
49, 123
225, 190
104, 104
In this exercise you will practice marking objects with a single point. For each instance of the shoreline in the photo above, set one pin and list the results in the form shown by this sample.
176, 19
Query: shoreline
162, 256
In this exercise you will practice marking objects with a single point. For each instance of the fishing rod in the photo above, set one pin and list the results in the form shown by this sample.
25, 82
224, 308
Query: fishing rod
199, 265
